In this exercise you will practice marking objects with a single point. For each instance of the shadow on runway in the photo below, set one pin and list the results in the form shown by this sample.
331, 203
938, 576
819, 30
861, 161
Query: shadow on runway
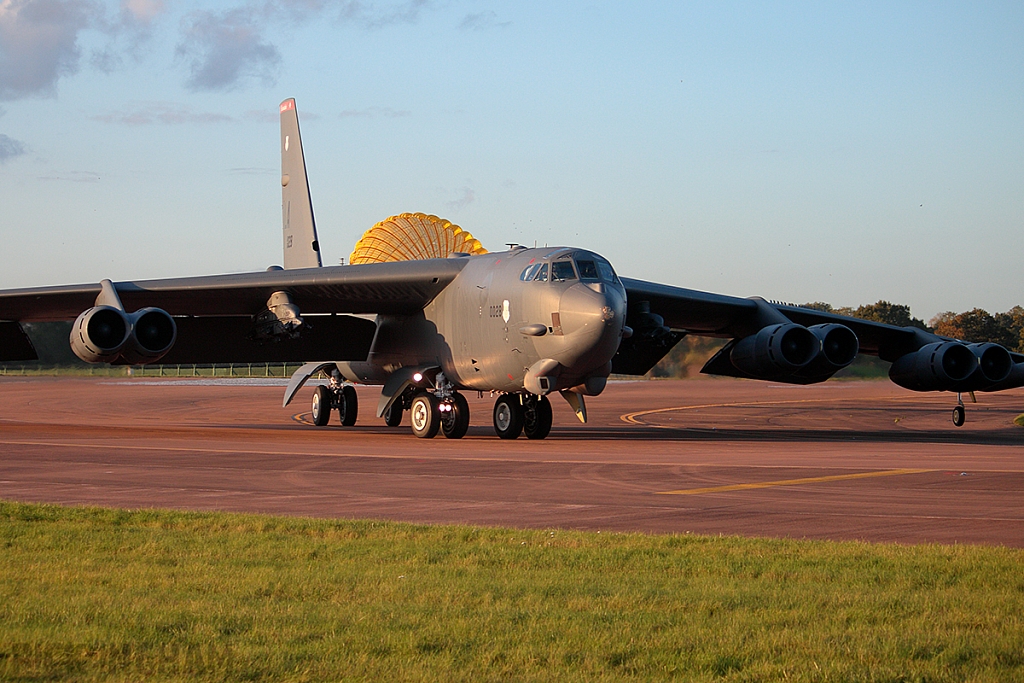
1012, 436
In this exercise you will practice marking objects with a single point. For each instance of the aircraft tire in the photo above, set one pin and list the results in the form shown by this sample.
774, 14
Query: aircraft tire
537, 418
959, 416
456, 426
349, 408
321, 408
508, 416
425, 417
393, 415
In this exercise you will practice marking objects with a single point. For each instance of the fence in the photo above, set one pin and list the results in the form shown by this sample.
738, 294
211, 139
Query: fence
225, 370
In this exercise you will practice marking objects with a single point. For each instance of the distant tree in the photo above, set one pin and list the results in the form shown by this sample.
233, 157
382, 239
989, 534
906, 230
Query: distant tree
946, 324
977, 325
889, 313
818, 306
1013, 322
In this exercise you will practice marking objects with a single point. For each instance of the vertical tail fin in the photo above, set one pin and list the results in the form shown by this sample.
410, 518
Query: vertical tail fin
301, 247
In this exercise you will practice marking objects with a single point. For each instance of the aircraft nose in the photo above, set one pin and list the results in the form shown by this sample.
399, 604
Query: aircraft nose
592, 315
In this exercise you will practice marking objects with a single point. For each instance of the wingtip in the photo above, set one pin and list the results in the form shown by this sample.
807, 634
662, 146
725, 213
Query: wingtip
288, 104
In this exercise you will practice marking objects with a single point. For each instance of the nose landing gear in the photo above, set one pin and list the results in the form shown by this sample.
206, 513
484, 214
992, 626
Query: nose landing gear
508, 416
537, 417
518, 413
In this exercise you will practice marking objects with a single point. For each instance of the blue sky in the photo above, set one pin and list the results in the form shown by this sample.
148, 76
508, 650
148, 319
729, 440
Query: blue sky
797, 151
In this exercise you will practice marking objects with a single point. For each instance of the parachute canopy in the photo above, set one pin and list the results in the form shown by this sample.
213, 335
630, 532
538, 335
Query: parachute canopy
412, 237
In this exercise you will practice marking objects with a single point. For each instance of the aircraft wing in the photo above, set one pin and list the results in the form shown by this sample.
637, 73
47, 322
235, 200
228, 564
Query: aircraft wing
214, 314
661, 315
395, 287
702, 313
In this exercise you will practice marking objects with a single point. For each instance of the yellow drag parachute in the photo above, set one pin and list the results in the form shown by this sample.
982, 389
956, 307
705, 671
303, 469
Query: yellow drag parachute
412, 237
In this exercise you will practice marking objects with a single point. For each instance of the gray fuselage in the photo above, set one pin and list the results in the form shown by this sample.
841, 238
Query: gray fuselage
559, 311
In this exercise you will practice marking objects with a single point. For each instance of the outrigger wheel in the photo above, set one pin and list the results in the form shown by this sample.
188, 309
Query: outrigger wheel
959, 413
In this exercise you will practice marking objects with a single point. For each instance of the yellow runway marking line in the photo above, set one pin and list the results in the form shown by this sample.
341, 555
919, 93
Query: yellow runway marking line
634, 418
791, 482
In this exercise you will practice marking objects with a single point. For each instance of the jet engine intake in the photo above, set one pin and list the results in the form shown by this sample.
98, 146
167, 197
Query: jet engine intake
776, 351
839, 347
104, 334
939, 366
153, 334
99, 334
994, 366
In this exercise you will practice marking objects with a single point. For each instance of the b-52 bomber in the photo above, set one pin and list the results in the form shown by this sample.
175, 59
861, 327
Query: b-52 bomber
424, 311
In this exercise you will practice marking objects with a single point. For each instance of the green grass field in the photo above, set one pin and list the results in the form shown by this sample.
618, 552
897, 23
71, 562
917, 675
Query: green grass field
94, 594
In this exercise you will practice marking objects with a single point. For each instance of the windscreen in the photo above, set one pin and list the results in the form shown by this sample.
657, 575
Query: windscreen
562, 271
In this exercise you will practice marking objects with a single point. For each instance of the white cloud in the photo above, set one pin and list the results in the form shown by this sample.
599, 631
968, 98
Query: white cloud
374, 113
467, 198
40, 40
10, 148
160, 113
142, 11
481, 21
39, 44
224, 49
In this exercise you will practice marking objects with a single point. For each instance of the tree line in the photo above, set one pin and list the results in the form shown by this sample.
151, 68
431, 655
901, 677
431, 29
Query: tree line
976, 325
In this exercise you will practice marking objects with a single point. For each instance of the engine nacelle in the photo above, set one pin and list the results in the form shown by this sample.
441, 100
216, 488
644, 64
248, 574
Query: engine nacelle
152, 336
939, 366
994, 366
775, 351
839, 347
99, 334
104, 334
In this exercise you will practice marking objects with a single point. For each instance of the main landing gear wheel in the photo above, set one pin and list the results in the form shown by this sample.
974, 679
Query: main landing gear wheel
508, 416
425, 417
537, 417
959, 416
455, 421
321, 408
393, 415
348, 405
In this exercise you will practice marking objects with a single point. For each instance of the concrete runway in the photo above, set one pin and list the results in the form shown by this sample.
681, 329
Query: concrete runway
843, 460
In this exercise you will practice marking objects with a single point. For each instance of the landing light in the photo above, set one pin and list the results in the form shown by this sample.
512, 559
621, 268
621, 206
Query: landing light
418, 377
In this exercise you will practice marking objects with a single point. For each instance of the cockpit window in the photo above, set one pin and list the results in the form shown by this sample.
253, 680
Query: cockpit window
542, 273
562, 271
588, 269
607, 272
530, 272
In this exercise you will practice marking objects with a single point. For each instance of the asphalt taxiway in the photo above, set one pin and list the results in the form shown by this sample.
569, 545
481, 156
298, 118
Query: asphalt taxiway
841, 460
